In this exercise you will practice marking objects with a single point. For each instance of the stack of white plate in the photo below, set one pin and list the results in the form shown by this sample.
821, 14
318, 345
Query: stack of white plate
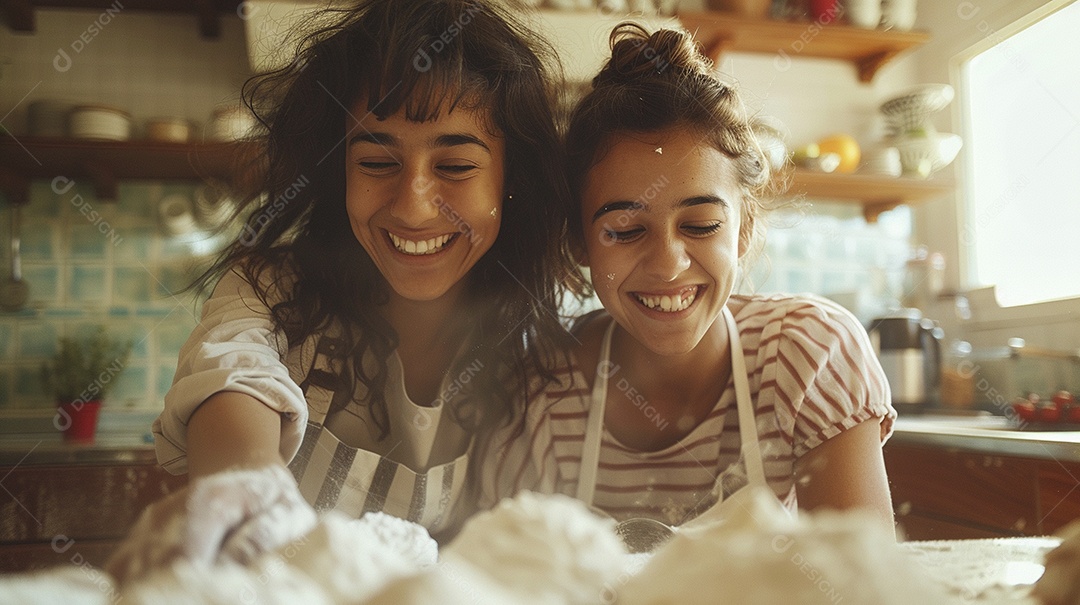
912, 110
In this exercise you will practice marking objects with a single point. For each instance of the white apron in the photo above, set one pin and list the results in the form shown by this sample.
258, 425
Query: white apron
750, 449
335, 475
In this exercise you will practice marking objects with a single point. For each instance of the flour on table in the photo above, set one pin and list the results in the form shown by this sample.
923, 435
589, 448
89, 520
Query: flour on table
549, 548
756, 554
269, 581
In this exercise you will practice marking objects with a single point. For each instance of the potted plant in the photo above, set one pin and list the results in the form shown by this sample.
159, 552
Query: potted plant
79, 375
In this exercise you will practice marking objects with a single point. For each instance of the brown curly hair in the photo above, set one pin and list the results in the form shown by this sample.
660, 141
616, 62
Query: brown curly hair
420, 57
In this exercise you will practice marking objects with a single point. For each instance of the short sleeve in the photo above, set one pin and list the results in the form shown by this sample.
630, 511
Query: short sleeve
525, 455
827, 375
235, 347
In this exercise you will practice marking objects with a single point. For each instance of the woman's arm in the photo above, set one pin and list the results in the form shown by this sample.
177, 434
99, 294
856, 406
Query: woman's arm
233, 430
846, 472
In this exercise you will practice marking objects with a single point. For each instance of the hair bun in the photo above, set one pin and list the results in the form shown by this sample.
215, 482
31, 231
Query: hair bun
635, 53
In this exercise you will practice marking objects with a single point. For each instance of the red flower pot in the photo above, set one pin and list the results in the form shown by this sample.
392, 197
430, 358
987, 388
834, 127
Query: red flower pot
77, 420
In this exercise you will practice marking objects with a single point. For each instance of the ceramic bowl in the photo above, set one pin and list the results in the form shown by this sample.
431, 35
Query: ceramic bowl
922, 156
910, 111
99, 122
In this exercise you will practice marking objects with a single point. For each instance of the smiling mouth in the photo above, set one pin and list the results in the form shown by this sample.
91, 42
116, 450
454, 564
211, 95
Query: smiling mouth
669, 303
421, 247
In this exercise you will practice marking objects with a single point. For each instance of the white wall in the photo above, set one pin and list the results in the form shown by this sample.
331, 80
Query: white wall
955, 27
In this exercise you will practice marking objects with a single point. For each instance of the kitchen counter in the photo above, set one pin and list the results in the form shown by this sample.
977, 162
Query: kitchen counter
987, 435
19, 452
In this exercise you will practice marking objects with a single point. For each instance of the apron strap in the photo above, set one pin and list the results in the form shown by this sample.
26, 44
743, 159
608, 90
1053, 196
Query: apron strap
750, 447
594, 431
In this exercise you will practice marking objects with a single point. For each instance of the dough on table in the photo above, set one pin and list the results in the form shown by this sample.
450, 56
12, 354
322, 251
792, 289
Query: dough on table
756, 553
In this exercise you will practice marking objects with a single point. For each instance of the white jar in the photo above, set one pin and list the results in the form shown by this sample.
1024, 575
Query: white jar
863, 13
99, 122
898, 14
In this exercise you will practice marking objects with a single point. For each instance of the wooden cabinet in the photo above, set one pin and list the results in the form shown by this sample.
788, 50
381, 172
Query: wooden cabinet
942, 494
58, 514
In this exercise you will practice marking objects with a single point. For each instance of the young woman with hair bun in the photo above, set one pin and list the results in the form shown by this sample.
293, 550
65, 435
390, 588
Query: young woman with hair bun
684, 391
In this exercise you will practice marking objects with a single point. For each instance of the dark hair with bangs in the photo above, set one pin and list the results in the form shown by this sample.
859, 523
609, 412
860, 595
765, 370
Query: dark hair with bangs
423, 57
659, 81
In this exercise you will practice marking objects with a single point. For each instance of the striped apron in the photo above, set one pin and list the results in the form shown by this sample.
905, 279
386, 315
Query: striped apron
335, 475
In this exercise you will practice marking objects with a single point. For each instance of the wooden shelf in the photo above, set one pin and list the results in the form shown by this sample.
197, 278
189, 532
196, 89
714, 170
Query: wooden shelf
867, 49
23, 159
876, 194
20, 16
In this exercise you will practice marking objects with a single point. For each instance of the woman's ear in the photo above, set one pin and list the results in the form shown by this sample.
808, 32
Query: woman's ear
578, 251
746, 233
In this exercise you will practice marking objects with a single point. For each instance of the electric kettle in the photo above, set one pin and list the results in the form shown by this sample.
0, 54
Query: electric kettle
909, 349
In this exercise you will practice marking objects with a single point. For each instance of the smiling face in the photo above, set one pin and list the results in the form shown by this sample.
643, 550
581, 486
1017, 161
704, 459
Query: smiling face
662, 236
424, 198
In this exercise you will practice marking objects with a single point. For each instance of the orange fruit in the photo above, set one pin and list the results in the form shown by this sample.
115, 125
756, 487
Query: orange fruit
846, 147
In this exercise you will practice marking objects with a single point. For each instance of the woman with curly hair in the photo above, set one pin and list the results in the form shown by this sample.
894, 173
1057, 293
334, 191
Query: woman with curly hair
395, 288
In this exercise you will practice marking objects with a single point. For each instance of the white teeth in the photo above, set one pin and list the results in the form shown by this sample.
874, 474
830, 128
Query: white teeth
420, 248
669, 304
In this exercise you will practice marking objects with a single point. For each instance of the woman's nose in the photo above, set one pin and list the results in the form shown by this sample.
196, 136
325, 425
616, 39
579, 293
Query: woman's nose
667, 259
416, 200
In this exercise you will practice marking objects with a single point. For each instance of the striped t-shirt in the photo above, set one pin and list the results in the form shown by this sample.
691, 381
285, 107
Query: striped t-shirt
812, 375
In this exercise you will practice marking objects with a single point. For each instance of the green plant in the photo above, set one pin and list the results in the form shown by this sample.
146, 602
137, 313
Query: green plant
84, 369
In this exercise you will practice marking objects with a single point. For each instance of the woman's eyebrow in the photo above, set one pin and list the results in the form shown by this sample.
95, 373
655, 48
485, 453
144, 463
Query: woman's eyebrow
453, 140
621, 205
383, 139
697, 200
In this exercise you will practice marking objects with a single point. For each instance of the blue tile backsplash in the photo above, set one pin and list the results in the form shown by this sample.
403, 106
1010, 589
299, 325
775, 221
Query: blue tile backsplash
90, 263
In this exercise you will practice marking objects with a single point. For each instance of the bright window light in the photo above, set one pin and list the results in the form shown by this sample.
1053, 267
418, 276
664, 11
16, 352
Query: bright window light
1022, 98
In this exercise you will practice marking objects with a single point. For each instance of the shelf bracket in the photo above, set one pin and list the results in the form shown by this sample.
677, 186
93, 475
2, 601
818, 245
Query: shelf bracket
871, 212
869, 65
106, 187
19, 15
716, 48
209, 20
14, 186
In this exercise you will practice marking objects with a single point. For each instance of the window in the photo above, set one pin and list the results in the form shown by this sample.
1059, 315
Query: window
1021, 95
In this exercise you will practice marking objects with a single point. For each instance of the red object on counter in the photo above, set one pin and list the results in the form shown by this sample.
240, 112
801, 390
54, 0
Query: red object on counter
78, 420
825, 11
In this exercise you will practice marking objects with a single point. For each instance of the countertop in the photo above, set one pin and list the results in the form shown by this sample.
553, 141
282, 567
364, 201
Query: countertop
993, 435
988, 435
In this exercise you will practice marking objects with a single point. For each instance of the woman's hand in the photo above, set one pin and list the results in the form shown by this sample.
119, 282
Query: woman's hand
236, 514
1060, 583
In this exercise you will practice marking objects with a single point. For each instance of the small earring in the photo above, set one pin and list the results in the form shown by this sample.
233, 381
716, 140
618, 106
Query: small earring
611, 276
493, 211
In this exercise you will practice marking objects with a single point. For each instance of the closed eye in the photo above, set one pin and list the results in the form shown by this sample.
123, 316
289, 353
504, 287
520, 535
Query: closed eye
456, 169
703, 230
629, 235
377, 167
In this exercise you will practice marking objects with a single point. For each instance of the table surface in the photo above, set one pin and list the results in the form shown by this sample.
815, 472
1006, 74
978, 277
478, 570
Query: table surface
999, 570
